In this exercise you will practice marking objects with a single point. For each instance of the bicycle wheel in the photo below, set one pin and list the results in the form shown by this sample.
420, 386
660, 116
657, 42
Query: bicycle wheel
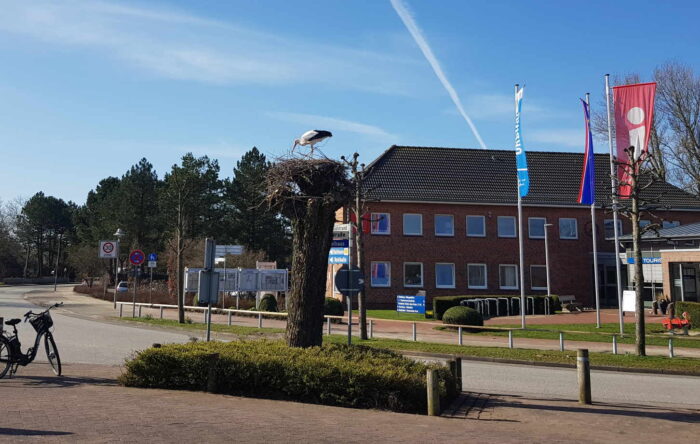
5, 356
52, 354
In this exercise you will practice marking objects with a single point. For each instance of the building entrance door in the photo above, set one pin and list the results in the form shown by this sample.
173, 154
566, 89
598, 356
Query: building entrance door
690, 284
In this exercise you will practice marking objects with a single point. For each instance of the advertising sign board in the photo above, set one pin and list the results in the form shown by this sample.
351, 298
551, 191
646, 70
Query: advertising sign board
410, 304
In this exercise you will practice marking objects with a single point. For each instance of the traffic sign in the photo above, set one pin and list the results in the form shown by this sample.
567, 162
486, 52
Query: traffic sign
340, 243
137, 257
224, 250
349, 282
152, 264
152, 257
108, 250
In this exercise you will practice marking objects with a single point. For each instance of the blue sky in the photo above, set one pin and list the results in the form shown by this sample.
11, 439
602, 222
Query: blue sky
87, 88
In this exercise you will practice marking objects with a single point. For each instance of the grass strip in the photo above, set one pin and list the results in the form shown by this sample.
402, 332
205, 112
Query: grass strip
241, 330
687, 365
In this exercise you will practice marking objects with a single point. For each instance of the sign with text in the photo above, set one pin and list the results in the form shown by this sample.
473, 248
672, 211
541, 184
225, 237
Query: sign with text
225, 250
646, 260
410, 304
108, 249
628, 300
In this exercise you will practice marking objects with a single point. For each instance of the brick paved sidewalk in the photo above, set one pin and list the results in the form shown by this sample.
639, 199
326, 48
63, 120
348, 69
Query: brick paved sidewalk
86, 405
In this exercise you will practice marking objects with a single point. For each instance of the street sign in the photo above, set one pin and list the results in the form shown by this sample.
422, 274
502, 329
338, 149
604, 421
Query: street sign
342, 227
225, 250
341, 231
410, 304
108, 250
349, 282
137, 257
340, 243
152, 257
152, 264
208, 288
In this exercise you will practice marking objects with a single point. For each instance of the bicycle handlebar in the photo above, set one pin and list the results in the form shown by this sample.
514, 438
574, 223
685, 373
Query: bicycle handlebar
30, 313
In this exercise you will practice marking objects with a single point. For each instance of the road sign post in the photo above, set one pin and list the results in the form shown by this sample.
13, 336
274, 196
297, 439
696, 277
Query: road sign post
349, 281
136, 257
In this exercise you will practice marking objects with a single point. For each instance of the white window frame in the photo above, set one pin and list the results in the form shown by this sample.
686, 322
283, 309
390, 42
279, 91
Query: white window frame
515, 227
422, 275
420, 232
388, 270
453, 275
529, 227
486, 277
575, 225
517, 278
483, 225
532, 287
452, 234
619, 229
373, 216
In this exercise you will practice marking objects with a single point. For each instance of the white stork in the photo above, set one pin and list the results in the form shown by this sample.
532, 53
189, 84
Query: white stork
312, 138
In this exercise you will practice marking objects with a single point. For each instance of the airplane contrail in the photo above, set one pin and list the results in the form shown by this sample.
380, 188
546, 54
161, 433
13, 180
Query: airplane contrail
417, 34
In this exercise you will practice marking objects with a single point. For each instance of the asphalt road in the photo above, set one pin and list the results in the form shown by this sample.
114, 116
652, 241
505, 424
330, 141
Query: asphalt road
81, 341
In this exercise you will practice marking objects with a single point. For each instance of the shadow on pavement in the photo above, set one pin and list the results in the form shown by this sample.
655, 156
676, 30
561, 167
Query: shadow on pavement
27, 432
62, 381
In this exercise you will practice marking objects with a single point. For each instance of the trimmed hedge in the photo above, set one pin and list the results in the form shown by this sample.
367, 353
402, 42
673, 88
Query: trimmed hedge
348, 376
333, 307
693, 310
442, 303
268, 302
462, 316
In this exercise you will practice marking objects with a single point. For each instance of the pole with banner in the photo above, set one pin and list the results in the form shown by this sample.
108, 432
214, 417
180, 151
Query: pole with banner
523, 188
614, 188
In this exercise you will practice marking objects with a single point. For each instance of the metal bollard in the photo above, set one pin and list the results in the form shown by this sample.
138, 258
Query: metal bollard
329, 325
510, 338
371, 328
414, 332
561, 341
161, 312
433, 387
121, 308
229, 317
670, 348
140, 310
614, 344
259, 320
583, 367
459, 333
458, 374
205, 314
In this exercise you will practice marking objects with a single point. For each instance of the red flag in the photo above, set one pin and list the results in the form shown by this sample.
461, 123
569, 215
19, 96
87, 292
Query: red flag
634, 115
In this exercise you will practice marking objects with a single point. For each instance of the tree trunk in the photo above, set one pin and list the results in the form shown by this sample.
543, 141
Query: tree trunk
312, 233
640, 338
359, 244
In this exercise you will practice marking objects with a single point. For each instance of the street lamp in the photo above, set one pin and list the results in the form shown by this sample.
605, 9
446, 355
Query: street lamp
546, 255
118, 234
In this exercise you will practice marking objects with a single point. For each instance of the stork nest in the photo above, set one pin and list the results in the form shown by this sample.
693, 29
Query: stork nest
292, 180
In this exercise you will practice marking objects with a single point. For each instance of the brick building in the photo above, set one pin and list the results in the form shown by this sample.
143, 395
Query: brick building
444, 220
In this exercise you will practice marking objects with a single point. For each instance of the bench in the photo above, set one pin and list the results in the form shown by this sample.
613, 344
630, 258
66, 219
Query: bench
570, 300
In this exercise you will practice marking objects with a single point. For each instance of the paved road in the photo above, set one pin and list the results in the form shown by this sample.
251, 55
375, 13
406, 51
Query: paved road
81, 340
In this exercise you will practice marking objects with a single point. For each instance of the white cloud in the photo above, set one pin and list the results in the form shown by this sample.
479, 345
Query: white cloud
179, 45
333, 124
560, 137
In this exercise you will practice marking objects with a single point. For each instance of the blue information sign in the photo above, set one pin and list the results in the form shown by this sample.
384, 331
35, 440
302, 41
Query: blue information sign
152, 257
646, 260
338, 255
410, 304
340, 243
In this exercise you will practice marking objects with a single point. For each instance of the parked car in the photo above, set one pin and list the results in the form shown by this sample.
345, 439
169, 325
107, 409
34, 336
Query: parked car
122, 287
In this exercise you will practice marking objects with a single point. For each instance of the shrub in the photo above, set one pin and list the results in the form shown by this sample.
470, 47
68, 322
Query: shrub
349, 376
693, 310
462, 316
442, 303
268, 303
333, 307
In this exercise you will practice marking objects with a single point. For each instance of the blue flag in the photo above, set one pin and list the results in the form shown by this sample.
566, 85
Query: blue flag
520, 159
586, 192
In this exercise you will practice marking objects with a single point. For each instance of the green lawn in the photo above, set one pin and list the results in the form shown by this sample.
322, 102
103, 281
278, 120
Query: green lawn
393, 315
690, 365
234, 329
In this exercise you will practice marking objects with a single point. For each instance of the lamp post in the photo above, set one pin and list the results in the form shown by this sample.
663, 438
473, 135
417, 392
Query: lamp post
118, 234
546, 255
55, 268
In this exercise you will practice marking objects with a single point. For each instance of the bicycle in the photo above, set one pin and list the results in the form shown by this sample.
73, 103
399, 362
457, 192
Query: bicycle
11, 356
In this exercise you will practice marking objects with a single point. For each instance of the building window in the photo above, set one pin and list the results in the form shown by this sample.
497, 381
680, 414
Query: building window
444, 225
476, 226
381, 223
381, 274
535, 227
643, 223
610, 231
412, 274
445, 275
568, 228
669, 224
538, 277
506, 226
413, 224
476, 276
508, 277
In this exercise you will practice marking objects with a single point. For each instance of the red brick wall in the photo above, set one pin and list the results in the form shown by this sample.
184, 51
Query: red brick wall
570, 260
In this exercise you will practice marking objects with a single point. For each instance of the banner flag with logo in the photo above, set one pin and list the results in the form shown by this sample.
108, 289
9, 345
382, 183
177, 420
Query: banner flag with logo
520, 159
586, 192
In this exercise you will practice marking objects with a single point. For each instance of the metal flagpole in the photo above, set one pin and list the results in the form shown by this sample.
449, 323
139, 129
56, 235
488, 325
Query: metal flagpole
613, 182
523, 308
593, 232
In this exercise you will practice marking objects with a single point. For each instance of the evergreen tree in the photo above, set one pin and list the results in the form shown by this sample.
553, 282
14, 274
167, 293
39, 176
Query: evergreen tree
138, 213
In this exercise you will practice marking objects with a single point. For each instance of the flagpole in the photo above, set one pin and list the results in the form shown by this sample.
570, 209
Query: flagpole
593, 231
523, 307
613, 182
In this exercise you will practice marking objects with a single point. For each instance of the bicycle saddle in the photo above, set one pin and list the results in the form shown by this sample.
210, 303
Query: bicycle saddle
13, 322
